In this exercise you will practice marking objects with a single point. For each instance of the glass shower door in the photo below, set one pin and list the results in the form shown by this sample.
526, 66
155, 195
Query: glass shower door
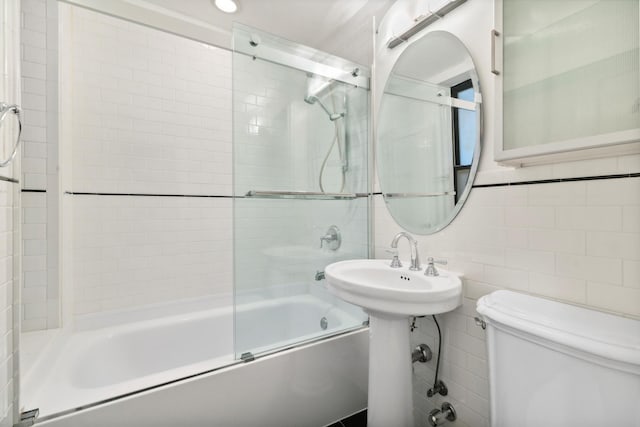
300, 189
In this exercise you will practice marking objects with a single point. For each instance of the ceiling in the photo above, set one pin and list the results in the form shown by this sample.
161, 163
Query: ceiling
340, 27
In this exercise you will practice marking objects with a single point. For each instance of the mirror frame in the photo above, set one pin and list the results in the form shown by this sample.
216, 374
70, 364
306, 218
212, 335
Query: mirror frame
475, 81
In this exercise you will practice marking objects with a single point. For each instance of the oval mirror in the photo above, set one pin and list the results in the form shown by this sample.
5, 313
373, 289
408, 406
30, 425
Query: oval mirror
429, 131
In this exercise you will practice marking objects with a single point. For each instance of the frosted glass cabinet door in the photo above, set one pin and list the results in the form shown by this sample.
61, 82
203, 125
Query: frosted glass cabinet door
567, 77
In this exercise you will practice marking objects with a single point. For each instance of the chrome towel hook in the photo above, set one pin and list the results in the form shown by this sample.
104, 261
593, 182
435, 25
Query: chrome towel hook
5, 109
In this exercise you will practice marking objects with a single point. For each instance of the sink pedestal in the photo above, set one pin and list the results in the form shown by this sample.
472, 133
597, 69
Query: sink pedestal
390, 296
390, 389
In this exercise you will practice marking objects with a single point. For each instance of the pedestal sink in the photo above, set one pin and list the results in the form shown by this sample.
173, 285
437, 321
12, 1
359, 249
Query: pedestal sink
390, 296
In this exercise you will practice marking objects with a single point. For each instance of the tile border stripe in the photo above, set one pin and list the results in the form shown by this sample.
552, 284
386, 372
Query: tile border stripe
558, 180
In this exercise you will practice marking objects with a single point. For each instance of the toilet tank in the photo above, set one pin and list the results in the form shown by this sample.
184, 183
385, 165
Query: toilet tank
553, 364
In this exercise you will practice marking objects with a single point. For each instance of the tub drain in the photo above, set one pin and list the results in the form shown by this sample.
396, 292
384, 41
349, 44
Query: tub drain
324, 323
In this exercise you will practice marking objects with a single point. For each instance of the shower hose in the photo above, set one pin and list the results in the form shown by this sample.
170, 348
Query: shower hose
341, 154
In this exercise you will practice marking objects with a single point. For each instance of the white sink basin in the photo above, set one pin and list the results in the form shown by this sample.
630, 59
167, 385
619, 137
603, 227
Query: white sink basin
374, 286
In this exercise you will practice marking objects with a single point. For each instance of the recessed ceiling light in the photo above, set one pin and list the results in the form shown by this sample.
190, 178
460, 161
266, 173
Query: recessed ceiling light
227, 6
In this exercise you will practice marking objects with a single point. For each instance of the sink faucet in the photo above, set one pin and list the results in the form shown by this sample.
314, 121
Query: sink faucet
415, 258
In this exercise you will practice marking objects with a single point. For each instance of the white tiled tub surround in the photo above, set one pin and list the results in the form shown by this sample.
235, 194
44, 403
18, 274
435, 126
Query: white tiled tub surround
134, 251
39, 72
151, 111
281, 140
150, 114
149, 119
280, 143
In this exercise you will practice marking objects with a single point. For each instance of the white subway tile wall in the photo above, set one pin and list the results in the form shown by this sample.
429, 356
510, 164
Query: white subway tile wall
281, 140
278, 241
151, 111
280, 144
135, 251
151, 114
34, 45
34, 261
268, 155
9, 217
566, 241
8, 264
40, 301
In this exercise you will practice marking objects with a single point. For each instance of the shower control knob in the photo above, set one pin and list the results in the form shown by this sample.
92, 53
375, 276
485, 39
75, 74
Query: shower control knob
438, 417
422, 353
332, 238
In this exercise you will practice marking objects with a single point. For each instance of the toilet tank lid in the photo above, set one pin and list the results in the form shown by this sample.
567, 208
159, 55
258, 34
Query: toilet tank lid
606, 335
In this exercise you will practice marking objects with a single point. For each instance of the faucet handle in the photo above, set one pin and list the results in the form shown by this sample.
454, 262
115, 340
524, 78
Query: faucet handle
395, 262
431, 269
415, 259
332, 237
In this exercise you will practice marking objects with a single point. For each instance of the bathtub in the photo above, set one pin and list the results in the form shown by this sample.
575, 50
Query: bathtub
105, 368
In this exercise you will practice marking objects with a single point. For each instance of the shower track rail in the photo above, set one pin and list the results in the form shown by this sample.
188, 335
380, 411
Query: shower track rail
408, 195
314, 195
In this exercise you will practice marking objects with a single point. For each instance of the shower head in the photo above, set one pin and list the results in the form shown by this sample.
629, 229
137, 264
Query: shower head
312, 99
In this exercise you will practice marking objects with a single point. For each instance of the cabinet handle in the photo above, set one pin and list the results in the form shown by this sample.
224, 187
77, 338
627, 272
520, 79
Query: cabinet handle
494, 35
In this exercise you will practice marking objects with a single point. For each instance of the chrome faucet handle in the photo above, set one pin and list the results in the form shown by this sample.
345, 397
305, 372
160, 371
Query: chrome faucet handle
395, 262
332, 238
415, 260
431, 269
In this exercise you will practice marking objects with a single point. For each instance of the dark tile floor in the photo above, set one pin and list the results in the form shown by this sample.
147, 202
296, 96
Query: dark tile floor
356, 420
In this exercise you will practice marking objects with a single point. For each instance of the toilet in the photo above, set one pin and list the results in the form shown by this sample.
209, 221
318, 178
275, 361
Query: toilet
557, 365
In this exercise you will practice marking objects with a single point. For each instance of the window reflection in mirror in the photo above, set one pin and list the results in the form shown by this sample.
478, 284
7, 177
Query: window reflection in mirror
464, 138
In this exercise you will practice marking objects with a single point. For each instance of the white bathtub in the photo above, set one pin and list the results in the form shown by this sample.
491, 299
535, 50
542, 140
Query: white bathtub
96, 362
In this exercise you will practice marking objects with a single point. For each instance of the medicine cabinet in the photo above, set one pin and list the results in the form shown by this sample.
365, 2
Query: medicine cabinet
567, 79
